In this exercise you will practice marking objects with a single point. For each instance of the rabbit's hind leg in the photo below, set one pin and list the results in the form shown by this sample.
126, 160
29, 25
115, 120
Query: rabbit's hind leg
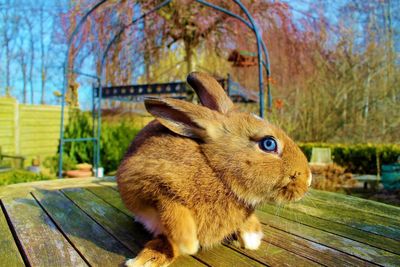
158, 252
179, 226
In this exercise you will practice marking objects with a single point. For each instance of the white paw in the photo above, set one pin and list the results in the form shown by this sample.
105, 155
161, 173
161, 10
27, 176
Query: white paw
134, 263
252, 240
191, 248
130, 262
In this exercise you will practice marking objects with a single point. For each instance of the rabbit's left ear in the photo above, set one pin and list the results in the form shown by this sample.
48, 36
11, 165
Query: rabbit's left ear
210, 92
183, 118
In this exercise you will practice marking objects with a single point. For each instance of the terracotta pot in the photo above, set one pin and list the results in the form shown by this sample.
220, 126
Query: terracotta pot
84, 167
78, 174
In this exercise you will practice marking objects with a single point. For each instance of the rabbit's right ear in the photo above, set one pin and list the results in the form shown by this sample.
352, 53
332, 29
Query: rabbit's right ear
182, 117
210, 92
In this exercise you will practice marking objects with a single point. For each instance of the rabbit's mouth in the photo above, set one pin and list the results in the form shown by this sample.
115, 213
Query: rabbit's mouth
293, 191
296, 186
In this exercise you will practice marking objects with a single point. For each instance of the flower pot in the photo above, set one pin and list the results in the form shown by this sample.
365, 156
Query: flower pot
78, 173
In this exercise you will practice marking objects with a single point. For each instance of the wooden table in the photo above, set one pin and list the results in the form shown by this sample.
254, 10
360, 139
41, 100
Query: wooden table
79, 222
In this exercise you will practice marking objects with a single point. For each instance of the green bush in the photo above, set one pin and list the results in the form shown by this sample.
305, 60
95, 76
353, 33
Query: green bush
52, 163
358, 158
21, 176
115, 139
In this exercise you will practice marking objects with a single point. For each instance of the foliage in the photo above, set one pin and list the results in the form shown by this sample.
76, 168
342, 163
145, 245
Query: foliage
331, 177
21, 176
115, 139
52, 163
358, 158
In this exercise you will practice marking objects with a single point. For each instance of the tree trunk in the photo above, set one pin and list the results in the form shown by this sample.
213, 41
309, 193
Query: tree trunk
42, 59
24, 80
6, 40
32, 53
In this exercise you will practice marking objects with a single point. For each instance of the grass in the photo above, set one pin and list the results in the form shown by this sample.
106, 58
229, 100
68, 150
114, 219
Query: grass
21, 176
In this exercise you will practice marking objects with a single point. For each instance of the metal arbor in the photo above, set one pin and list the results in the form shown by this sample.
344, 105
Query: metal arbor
262, 61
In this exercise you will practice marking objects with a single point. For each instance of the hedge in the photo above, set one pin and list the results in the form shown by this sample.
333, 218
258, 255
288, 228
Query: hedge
21, 176
358, 158
117, 135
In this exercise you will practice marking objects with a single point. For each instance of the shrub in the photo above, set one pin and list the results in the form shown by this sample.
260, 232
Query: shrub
52, 163
21, 176
115, 139
358, 158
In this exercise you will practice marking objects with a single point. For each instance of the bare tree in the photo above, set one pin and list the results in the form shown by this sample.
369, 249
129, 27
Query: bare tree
10, 22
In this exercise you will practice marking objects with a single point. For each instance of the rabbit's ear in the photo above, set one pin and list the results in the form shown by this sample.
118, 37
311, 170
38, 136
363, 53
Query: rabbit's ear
210, 92
182, 117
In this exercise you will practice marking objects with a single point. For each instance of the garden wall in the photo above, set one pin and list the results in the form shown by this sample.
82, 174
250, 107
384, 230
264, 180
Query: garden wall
29, 130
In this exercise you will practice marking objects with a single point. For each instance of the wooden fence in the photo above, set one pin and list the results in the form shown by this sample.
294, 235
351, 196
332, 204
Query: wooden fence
29, 130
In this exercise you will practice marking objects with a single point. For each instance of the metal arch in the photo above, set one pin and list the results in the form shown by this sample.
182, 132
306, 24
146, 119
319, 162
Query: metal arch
261, 48
103, 61
65, 83
260, 44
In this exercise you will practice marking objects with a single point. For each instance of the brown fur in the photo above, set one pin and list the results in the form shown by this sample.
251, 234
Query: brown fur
198, 173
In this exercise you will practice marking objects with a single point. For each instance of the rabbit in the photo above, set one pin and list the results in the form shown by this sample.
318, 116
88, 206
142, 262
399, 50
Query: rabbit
195, 174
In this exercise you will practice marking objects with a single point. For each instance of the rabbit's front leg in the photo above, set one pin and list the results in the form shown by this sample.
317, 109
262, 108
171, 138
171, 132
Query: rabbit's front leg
250, 234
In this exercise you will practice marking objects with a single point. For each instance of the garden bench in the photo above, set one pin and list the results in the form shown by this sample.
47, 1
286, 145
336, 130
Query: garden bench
6, 167
372, 180
80, 222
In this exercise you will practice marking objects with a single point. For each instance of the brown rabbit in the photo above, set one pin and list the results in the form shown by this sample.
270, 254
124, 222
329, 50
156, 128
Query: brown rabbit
195, 174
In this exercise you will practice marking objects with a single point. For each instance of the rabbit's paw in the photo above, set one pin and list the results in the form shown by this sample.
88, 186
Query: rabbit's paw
159, 252
251, 240
148, 259
189, 247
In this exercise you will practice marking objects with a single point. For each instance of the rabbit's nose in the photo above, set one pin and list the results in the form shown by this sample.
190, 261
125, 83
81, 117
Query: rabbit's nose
294, 176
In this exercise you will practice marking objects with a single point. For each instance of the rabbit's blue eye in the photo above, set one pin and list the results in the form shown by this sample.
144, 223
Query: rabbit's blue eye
268, 144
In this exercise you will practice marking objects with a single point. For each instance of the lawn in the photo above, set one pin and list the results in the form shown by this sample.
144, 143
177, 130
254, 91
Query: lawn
21, 176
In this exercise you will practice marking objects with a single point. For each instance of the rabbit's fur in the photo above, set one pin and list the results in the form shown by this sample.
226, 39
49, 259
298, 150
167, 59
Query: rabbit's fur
195, 174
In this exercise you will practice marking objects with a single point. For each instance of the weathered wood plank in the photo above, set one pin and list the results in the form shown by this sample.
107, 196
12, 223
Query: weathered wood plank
119, 224
272, 255
221, 256
360, 204
9, 254
391, 218
284, 238
23, 188
41, 241
360, 220
114, 221
335, 228
97, 245
311, 250
338, 242
110, 196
